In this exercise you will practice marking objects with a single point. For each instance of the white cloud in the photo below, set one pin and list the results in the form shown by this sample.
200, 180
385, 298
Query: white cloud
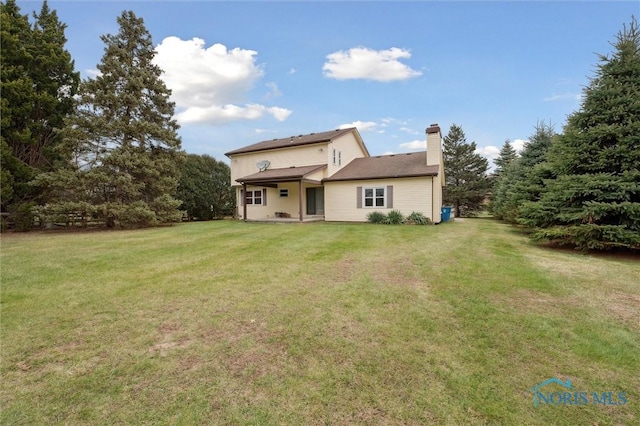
518, 144
490, 152
364, 63
207, 84
274, 91
363, 126
564, 97
278, 113
409, 130
92, 73
414, 145
220, 114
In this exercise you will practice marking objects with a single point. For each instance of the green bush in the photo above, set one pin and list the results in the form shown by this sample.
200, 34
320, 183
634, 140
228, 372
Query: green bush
377, 217
394, 217
417, 218
22, 217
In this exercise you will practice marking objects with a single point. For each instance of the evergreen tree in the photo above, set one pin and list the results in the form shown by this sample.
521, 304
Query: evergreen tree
123, 140
205, 188
38, 83
55, 84
506, 157
536, 148
16, 103
594, 202
522, 180
467, 185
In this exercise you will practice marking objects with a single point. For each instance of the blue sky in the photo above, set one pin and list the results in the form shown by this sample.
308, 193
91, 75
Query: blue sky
242, 72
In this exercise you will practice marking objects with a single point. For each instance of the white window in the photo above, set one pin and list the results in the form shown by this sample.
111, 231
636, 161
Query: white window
284, 193
254, 197
337, 157
374, 197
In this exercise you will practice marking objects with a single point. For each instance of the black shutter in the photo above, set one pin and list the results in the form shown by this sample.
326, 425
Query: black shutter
264, 196
241, 197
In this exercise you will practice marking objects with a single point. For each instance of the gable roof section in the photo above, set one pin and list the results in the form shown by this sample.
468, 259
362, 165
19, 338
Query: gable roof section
413, 164
294, 141
281, 175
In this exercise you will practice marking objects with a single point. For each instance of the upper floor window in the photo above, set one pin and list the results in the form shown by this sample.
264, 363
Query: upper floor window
337, 157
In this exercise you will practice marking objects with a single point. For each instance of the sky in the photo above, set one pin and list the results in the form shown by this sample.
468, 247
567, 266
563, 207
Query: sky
242, 72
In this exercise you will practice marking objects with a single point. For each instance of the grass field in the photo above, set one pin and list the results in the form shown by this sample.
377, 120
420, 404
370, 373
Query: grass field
233, 323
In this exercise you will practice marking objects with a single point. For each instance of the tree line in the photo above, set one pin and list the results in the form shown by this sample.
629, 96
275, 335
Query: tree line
105, 149
579, 188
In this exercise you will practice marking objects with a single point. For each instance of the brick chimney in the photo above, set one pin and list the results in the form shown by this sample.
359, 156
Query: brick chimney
434, 145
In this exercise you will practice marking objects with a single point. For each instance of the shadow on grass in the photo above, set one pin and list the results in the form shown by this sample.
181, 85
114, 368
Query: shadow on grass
622, 254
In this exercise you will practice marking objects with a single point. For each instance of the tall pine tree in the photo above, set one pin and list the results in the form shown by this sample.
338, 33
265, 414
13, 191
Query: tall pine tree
55, 83
467, 185
522, 180
594, 202
38, 83
506, 157
123, 139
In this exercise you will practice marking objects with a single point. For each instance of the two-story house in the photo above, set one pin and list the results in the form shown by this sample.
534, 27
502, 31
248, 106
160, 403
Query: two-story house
331, 176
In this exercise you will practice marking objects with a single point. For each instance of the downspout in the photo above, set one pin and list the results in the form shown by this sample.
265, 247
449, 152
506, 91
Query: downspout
433, 213
300, 198
244, 201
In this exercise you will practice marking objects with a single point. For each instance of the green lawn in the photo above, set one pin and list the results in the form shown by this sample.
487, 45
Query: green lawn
233, 323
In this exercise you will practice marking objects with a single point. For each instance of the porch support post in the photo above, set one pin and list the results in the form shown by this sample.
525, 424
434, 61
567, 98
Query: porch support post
300, 197
243, 200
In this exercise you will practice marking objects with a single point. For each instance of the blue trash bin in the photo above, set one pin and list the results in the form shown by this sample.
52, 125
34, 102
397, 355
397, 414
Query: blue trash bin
445, 212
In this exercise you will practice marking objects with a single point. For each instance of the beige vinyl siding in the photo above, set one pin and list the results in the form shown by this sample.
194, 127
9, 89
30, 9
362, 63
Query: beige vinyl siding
348, 147
317, 176
436, 217
289, 204
275, 203
245, 164
409, 194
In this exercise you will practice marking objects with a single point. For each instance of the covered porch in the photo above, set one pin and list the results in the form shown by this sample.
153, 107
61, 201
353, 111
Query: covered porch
292, 194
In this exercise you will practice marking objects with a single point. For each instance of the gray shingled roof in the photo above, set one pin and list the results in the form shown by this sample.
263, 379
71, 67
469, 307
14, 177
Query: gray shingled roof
292, 141
413, 164
280, 175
